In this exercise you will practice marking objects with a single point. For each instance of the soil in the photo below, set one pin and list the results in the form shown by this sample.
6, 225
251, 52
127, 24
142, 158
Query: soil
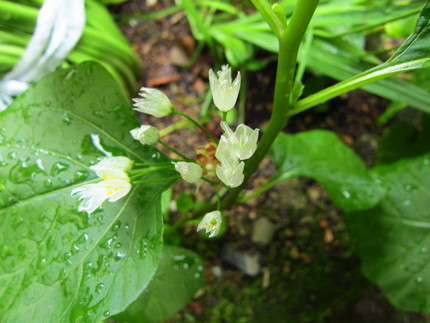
308, 272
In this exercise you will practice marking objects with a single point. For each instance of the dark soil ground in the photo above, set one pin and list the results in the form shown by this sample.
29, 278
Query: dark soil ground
307, 271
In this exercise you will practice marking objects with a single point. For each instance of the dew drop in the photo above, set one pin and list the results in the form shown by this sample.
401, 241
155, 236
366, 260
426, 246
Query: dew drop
48, 183
106, 313
58, 168
116, 227
98, 113
11, 155
156, 155
99, 288
66, 258
75, 249
419, 280
119, 256
80, 175
346, 194
83, 238
406, 203
100, 219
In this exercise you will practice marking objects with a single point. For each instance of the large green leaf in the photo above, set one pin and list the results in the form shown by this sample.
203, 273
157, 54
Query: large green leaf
177, 279
393, 239
60, 265
321, 155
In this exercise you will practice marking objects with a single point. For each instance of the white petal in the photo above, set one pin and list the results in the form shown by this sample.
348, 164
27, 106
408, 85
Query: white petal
211, 222
92, 196
113, 167
190, 172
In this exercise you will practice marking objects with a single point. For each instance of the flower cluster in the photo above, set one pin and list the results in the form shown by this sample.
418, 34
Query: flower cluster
225, 160
115, 183
234, 147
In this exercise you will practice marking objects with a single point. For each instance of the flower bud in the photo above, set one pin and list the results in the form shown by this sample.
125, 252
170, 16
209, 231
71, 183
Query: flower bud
211, 222
153, 102
190, 172
224, 91
147, 135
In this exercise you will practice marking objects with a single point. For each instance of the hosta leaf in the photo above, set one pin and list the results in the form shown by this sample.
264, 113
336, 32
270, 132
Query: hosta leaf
321, 155
393, 239
177, 279
60, 265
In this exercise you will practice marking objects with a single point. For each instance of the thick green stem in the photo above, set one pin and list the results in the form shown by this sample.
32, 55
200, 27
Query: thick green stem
289, 43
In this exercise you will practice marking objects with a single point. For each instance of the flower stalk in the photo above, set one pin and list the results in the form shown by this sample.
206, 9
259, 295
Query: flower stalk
289, 42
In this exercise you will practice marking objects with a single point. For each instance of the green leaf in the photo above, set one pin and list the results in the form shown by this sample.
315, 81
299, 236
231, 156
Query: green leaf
321, 155
393, 239
413, 54
402, 140
177, 279
60, 265
341, 64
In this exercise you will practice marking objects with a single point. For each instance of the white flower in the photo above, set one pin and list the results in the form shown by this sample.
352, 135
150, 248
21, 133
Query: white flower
190, 172
230, 172
112, 167
224, 91
93, 195
115, 184
211, 222
153, 102
147, 135
243, 142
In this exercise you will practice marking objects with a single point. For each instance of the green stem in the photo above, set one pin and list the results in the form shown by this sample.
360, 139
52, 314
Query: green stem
155, 180
207, 180
260, 190
173, 127
242, 97
174, 150
289, 43
198, 125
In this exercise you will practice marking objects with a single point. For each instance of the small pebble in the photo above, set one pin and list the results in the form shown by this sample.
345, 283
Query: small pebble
246, 262
263, 230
